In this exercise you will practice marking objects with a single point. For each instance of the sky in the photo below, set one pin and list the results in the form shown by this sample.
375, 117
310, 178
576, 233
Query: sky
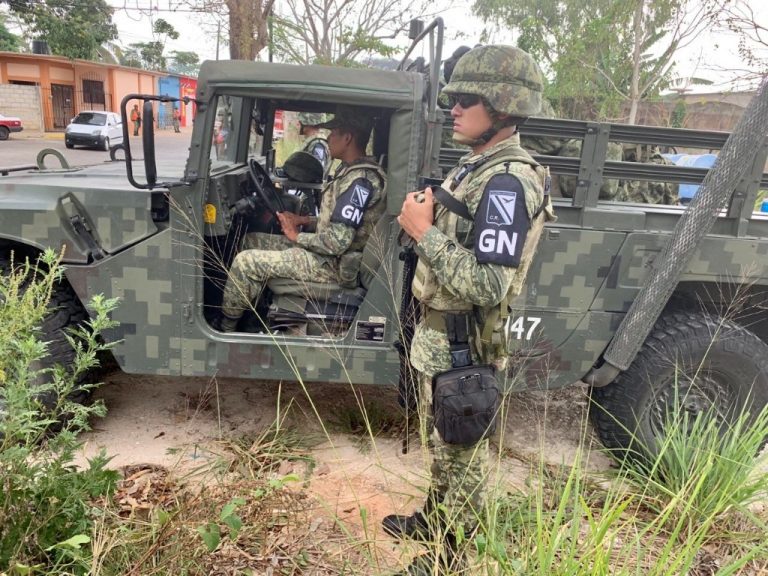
707, 57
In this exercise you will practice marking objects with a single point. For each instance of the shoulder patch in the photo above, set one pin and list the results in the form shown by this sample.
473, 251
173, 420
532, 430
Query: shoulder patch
501, 222
351, 204
318, 151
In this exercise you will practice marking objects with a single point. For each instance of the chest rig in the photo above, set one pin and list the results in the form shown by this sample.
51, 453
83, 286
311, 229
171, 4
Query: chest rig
453, 218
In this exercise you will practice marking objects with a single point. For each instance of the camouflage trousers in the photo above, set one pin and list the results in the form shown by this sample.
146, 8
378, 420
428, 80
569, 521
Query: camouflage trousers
459, 473
252, 268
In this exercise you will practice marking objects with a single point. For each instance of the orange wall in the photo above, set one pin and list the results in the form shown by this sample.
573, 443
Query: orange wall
117, 81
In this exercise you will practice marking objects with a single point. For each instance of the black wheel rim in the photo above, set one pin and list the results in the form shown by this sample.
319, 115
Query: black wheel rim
689, 395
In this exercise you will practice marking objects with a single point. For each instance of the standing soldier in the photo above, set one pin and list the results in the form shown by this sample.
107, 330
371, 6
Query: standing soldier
315, 144
136, 119
475, 238
352, 204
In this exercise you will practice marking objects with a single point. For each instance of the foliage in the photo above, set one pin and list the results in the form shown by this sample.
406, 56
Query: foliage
339, 31
653, 520
242, 24
151, 55
183, 62
598, 54
740, 18
45, 512
72, 29
8, 42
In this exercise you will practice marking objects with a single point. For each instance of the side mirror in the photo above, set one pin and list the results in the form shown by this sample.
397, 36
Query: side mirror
148, 142
147, 139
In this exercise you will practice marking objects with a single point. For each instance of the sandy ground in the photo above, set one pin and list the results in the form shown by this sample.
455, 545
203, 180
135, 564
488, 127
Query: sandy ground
176, 422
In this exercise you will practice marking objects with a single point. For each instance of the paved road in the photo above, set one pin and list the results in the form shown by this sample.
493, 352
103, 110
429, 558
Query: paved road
171, 149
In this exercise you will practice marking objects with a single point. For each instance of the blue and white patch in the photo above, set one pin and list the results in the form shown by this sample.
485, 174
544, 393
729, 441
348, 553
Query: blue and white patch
501, 222
351, 204
501, 207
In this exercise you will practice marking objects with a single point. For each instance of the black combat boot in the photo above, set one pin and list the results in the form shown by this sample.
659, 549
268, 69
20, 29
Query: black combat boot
416, 526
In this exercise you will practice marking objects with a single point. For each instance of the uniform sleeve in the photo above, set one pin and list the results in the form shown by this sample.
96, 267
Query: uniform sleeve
333, 240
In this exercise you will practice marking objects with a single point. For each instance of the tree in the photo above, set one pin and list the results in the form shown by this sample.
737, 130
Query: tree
338, 31
244, 24
8, 42
151, 55
601, 54
740, 18
72, 29
185, 63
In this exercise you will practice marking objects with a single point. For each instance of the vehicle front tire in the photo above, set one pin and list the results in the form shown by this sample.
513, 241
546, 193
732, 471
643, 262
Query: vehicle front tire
691, 362
68, 144
105, 144
65, 311
4, 133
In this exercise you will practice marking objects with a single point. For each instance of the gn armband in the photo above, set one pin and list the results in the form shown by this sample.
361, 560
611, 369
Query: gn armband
465, 402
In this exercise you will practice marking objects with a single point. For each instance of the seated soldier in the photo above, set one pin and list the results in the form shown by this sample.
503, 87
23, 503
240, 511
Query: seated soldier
352, 202
642, 190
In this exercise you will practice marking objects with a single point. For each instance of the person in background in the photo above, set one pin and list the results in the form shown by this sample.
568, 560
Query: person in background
176, 120
136, 119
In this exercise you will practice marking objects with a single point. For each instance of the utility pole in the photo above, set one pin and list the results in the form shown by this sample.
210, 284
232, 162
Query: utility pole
218, 37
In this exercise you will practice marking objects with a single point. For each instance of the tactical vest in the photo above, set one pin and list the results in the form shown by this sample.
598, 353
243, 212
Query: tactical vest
349, 263
426, 286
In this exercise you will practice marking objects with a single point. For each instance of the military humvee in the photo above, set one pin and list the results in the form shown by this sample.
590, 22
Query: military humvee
695, 336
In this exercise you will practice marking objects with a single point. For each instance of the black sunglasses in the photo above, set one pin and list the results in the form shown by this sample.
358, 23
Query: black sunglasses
464, 100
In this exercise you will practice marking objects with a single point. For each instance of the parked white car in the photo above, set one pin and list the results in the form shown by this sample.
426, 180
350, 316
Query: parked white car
94, 128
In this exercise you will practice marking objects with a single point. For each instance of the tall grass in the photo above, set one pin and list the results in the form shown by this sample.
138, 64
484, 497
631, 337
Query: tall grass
45, 511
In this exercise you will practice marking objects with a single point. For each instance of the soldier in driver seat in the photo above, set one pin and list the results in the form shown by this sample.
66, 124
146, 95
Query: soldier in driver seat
352, 203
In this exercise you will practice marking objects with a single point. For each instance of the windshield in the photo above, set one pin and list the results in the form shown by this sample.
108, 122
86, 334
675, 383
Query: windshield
90, 118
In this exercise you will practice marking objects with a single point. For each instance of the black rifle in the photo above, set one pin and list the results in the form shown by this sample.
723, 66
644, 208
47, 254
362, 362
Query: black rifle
408, 387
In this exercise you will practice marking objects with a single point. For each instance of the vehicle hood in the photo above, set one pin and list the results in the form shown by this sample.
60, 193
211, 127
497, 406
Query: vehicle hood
9, 119
38, 208
84, 128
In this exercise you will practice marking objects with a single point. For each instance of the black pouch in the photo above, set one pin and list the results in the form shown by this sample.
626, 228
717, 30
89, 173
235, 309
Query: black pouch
464, 404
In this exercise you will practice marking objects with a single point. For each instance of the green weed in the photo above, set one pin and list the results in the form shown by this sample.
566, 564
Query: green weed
45, 510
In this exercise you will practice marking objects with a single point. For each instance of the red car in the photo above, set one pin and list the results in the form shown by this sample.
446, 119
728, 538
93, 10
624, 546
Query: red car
9, 124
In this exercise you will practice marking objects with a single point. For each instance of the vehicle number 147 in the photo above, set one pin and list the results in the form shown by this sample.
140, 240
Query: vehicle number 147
522, 327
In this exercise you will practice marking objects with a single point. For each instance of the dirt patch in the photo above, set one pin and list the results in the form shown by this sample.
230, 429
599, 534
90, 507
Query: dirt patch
353, 481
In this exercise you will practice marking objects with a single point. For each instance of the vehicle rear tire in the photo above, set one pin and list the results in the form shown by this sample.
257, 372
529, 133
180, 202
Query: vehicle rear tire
65, 311
69, 144
681, 363
4, 133
105, 145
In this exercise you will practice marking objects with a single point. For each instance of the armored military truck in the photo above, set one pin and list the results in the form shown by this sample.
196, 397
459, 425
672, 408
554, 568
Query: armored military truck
651, 305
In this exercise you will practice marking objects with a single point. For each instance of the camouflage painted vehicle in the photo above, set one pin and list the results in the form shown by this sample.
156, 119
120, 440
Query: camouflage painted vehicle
164, 249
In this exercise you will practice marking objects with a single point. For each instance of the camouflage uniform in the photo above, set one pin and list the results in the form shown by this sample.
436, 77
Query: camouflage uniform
453, 277
352, 204
449, 277
609, 188
317, 146
642, 190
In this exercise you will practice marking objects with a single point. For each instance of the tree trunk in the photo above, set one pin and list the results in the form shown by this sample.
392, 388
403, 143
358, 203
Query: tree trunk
634, 89
248, 33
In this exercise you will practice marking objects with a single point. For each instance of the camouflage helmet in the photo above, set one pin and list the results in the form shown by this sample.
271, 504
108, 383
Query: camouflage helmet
301, 166
507, 77
311, 118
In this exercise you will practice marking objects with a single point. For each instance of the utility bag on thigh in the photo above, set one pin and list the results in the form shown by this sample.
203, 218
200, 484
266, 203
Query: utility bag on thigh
465, 402
465, 399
